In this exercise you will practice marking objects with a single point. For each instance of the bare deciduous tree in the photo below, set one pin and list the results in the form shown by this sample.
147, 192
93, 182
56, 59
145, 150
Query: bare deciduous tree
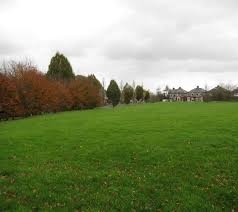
228, 86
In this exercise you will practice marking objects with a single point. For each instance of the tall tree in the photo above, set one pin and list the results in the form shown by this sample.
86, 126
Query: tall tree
60, 68
113, 93
121, 89
134, 89
128, 93
219, 94
97, 87
139, 93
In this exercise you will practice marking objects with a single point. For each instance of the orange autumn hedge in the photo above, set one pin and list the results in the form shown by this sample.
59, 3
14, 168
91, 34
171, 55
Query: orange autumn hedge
25, 91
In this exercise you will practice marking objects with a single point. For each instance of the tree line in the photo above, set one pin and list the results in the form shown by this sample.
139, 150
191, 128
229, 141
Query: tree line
25, 91
127, 94
221, 93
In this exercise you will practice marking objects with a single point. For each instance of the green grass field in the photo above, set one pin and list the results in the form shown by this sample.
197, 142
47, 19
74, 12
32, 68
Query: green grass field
166, 156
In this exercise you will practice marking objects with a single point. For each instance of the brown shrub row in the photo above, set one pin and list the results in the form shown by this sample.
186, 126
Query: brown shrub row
24, 91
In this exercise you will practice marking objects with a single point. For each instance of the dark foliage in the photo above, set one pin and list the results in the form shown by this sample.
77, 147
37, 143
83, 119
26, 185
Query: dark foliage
24, 91
128, 93
60, 68
147, 96
139, 93
218, 94
113, 93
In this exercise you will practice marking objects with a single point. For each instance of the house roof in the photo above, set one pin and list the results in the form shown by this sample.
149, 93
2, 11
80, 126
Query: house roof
177, 91
197, 90
180, 90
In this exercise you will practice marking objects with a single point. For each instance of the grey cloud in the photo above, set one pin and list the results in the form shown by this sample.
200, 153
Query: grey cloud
6, 4
73, 48
215, 66
154, 41
176, 30
172, 48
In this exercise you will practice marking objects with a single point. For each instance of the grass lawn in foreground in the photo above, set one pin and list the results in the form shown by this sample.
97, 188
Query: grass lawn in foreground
165, 156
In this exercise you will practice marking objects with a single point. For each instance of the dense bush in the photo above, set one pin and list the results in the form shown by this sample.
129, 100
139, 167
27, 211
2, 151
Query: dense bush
128, 93
24, 91
218, 94
147, 96
9, 100
60, 68
85, 93
113, 93
139, 93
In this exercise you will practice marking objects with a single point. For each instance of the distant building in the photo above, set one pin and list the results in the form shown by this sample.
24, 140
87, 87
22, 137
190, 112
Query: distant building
196, 95
180, 94
177, 94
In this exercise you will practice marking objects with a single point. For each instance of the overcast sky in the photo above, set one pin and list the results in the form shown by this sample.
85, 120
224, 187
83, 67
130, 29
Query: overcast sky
155, 42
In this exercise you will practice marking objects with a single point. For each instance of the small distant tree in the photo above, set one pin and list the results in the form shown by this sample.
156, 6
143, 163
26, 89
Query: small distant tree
99, 90
134, 89
60, 68
147, 96
128, 93
139, 92
113, 93
229, 87
121, 89
218, 94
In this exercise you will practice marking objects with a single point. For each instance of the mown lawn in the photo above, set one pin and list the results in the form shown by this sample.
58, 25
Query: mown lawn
166, 156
